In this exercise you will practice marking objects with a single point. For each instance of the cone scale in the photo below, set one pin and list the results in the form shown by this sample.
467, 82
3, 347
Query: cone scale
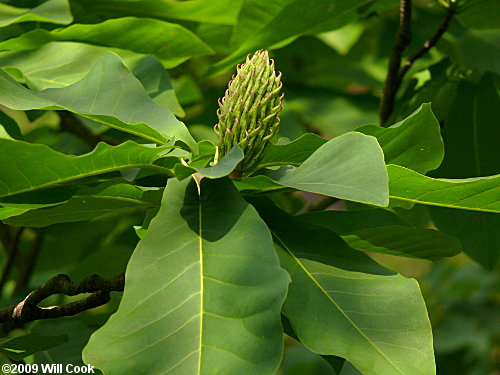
248, 112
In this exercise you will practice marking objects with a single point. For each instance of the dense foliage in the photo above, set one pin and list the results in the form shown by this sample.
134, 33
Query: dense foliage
362, 237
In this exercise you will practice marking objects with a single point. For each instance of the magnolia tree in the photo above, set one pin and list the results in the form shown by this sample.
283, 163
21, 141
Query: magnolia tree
284, 239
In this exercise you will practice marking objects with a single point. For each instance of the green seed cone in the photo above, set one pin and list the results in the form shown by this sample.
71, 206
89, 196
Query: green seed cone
248, 112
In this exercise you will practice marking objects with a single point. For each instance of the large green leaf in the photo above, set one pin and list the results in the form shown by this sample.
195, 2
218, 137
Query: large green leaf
414, 143
203, 291
89, 203
477, 194
170, 42
342, 303
350, 167
59, 64
34, 166
53, 11
108, 94
382, 231
293, 19
210, 11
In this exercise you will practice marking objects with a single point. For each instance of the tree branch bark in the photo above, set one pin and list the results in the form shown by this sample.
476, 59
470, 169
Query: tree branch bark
28, 309
429, 43
396, 72
393, 79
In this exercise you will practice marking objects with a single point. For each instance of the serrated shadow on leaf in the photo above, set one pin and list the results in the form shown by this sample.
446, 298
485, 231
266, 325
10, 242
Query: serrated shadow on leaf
203, 291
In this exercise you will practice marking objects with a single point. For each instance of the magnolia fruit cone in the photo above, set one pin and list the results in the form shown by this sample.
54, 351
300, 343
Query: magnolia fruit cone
248, 112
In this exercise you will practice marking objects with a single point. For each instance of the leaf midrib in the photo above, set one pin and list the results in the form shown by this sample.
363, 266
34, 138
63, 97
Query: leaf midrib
362, 334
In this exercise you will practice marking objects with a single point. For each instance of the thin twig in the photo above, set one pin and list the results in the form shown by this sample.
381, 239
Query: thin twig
393, 80
397, 72
429, 43
28, 309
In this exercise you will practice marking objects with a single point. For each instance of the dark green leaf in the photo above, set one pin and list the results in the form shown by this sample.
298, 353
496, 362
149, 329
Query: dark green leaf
477, 231
24, 346
10, 126
382, 231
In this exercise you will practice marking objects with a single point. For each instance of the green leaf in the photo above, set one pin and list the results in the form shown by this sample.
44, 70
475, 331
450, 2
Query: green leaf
414, 143
471, 142
294, 19
6, 212
473, 14
89, 203
24, 346
293, 153
261, 183
222, 12
10, 125
203, 291
342, 303
350, 167
36, 166
477, 194
382, 231
225, 166
171, 43
53, 11
108, 94
157, 83
477, 231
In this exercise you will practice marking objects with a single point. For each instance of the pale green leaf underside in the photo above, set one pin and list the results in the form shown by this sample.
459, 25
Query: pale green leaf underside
477, 194
203, 291
414, 143
109, 94
350, 167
